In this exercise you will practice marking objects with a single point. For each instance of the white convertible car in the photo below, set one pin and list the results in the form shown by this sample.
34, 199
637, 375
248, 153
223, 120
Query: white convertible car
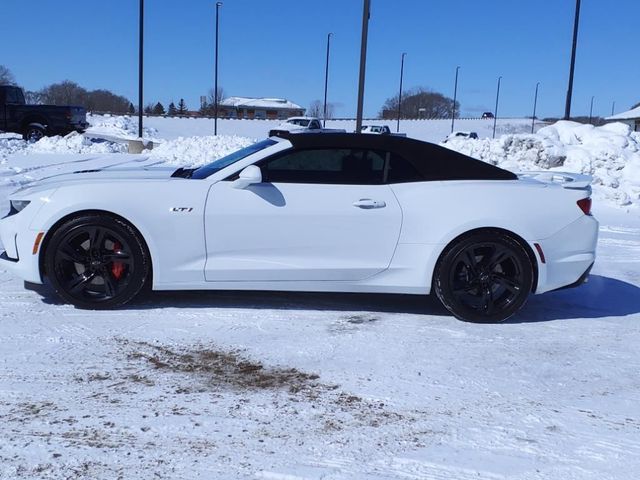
332, 212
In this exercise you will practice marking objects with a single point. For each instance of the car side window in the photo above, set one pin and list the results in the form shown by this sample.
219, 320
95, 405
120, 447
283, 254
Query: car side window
315, 125
12, 96
326, 166
400, 170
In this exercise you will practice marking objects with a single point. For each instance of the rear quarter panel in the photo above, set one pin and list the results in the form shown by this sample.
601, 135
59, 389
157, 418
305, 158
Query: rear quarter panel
435, 213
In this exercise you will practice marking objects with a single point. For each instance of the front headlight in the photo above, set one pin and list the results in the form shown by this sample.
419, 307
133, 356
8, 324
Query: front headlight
17, 206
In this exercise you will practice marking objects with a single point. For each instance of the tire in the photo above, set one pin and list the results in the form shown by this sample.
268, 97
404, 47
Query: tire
485, 277
33, 133
97, 262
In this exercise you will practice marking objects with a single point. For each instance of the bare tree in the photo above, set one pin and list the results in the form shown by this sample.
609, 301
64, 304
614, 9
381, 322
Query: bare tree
211, 100
70, 93
316, 109
208, 107
419, 102
6, 77
32, 98
64, 93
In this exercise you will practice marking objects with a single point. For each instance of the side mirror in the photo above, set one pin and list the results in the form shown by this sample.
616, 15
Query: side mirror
249, 176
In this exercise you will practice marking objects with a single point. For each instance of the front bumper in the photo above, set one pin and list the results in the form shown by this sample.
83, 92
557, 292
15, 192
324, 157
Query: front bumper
569, 254
18, 257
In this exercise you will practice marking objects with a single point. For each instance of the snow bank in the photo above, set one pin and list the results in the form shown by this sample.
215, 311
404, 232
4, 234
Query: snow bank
72, 143
195, 151
610, 153
117, 126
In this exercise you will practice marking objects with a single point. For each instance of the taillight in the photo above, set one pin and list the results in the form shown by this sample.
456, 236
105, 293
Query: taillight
585, 205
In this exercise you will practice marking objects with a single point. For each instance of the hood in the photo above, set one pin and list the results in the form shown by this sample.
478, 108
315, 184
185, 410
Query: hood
119, 172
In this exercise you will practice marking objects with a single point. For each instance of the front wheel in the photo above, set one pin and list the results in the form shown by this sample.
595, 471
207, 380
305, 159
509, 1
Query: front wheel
96, 262
485, 277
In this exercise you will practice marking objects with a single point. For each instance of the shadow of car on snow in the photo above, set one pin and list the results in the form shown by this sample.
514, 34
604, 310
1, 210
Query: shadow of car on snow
601, 297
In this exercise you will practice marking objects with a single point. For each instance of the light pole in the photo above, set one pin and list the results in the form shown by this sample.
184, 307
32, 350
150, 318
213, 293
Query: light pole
613, 107
326, 81
591, 110
495, 113
363, 62
215, 87
455, 96
140, 67
535, 104
567, 107
400, 93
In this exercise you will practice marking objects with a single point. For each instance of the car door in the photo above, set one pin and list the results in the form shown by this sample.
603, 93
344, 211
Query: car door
318, 215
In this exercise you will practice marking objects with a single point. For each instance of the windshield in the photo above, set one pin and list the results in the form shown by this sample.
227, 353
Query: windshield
219, 164
299, 121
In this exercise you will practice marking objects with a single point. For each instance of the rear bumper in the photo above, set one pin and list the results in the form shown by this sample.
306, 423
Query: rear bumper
569, 254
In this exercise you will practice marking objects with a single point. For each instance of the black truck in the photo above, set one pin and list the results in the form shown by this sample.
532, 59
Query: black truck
37, 121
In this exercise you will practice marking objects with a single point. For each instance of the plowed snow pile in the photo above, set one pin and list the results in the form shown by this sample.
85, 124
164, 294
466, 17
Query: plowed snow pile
195, 151
610, 153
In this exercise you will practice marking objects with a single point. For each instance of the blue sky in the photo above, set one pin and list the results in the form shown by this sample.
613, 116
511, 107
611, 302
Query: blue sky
276, 48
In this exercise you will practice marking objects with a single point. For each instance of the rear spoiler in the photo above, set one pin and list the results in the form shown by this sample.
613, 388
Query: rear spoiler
574, 181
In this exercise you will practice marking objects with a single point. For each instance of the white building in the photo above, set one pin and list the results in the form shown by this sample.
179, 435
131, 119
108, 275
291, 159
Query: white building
630, 117
259, 108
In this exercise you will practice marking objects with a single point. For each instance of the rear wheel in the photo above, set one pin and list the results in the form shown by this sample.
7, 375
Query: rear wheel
485, 277
33, 133
96, 262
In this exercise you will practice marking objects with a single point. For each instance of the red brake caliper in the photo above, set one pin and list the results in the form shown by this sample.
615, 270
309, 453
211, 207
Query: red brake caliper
117, 269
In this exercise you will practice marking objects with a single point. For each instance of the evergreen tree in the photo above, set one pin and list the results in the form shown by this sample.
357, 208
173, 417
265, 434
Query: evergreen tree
158, 109
148, 110
172, 112
182, 107
132, 109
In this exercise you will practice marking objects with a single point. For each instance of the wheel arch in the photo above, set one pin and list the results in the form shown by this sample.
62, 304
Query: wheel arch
47, 237
31, 119
517, 238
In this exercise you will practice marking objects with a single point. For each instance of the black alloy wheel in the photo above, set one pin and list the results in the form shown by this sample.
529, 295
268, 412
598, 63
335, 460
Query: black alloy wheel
485, 277
96, 262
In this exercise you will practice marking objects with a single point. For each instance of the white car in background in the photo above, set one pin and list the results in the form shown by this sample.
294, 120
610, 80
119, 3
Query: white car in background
376, 129
300, 125
331, 212
472, 135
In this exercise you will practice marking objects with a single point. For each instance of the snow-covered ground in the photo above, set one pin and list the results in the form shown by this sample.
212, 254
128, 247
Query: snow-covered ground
288, 386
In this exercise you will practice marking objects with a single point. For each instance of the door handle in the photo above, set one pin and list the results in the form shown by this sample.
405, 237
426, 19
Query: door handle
367, 203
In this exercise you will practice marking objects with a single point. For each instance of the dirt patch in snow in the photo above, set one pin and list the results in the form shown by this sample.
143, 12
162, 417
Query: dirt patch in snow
220, 368
207, 369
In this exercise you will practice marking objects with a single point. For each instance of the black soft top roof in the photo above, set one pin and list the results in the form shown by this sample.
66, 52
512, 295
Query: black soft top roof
433, 161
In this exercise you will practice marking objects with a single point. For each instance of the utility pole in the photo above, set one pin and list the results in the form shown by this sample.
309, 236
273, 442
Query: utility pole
140, 67
400, 93
363, 62
215, 87
613, 107
326, 82
495, 113
567, 108
455, 96
535, 104
591, 110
